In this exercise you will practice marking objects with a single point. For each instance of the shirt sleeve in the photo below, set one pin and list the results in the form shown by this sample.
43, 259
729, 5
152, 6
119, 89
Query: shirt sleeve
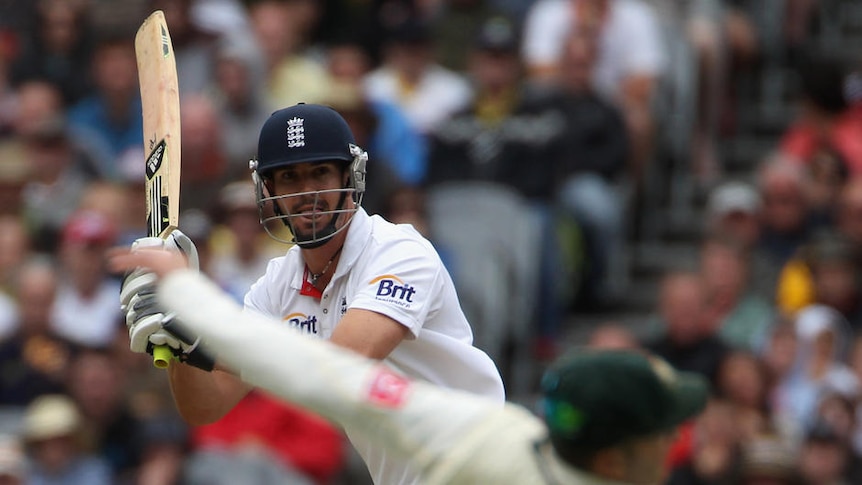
258, 298
403, 286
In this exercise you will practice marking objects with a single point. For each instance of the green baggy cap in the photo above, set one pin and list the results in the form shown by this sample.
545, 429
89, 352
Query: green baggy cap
594, 399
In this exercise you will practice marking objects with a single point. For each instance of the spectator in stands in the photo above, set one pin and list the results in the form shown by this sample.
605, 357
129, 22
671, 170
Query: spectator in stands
194, 47
779, 356
768, 459
826, 122
511, 136
52, 426
827, 175
7, 90
507, 134
824, 457
689, 340
786, 222
631, 57
834, 266
15, 248
406, 205
734, 208
86, 311
611, 335
742, 383
798, 23
205, 167
710, 43
855, 363
824, 339
240, 98
409, 77
838, 410
293, 76
796, 287
38, 104
115, 201
130, 445
742, 316
38, 131
393, 141
111, 118
57, 49
714, 445
364, 120
33, 361
133, 226
825, 272
57, 181
848, 215
454, 26
591, 172
242, 258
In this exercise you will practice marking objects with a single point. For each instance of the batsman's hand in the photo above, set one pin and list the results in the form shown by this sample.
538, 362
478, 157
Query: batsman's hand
140, 277
148, 325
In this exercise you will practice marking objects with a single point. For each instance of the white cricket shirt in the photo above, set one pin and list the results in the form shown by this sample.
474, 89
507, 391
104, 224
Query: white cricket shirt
389, 269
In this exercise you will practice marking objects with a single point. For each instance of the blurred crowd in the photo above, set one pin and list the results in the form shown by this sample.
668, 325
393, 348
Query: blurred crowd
524, 138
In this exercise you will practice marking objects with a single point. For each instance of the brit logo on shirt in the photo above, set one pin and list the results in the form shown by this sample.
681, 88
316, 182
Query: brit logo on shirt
295, 132
301, 321
393, 289
343, 305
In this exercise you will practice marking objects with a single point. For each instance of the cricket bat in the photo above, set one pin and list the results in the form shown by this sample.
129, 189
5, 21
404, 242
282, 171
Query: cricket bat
157, 74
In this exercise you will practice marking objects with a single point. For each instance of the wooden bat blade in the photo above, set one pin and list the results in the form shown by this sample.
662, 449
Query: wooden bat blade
157, 74
160, 99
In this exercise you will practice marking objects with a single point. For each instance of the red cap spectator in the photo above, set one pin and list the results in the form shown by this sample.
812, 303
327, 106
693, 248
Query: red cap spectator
89, 227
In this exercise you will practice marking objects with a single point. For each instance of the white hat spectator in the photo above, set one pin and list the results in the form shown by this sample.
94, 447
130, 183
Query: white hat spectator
50, 416
733, 196
238, 196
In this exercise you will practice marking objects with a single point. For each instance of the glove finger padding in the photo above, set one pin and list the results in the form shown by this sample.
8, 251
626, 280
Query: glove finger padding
177, 240
135, 283
142, 305
142, 329
139, 279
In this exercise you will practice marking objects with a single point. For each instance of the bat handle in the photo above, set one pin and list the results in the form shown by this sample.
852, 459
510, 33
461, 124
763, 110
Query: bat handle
162, 356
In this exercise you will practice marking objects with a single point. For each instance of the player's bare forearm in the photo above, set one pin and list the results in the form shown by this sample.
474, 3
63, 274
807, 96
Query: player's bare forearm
368, 333
204, 397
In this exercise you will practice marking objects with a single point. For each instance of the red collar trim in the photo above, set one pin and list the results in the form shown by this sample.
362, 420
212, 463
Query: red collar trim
307, 288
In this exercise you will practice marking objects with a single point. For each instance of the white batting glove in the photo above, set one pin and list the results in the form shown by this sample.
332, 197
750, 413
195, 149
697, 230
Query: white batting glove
144, 318
140, 279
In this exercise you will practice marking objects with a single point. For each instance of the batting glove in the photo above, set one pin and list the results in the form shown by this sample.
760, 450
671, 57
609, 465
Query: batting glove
148, 325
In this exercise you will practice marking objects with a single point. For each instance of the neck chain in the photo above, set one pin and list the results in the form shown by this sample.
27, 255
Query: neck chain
316, 276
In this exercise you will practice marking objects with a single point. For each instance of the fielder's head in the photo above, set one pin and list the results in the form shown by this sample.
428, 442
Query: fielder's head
614, 413
309, 173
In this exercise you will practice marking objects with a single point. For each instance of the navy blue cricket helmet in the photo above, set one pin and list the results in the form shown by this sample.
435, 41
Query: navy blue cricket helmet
300, 134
